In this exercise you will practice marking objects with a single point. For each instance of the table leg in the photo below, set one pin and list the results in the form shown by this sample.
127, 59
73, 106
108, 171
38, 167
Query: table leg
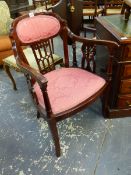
7, 70
127, 13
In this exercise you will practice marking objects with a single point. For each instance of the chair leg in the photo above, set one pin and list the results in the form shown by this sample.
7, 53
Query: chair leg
54, 132
38, 114
7, 70
105, 99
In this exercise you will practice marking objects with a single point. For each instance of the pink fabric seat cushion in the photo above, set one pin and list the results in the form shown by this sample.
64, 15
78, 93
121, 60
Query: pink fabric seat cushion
37, 27
67, 87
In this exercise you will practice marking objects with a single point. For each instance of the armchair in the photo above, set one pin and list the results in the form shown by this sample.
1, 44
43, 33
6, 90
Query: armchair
59, 92
5, 22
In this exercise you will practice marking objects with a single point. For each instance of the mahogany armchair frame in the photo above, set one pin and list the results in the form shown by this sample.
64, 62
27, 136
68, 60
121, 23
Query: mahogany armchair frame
33, 75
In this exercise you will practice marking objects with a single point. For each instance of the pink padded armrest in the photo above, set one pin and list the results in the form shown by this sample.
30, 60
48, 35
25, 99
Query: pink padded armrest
36, 28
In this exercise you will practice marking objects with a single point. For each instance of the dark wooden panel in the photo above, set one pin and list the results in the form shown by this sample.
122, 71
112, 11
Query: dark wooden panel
127, 53
125, 87
72, 12
124, 101
116, 29
127, 71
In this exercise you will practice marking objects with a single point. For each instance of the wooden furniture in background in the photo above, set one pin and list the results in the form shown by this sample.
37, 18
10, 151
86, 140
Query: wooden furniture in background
71, 11
58, 93
112, 7
116, 29
91, 9
38, 3
47, 5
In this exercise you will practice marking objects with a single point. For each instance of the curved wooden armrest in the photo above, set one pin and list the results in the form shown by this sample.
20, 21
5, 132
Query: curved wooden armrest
42, 81
108, 43
39, 78
88, 49
26, 69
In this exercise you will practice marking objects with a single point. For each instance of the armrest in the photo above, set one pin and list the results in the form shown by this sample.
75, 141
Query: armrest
39, 78
34, 74
87, 52
42, 81
108, 43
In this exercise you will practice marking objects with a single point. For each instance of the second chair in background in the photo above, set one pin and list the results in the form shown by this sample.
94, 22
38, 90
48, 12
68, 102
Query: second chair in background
113, 7
91, 9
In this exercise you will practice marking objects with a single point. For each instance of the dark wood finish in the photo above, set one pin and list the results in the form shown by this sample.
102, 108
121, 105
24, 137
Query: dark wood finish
71, 11
126, 9
7, 70
125, 87
116, 29
53, 2
124, 101
85, 61
126, 71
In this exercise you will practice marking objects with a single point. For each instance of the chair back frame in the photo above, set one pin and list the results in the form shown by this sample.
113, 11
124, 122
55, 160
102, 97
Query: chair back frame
91, 5
37, 3
92, 9
112, 4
